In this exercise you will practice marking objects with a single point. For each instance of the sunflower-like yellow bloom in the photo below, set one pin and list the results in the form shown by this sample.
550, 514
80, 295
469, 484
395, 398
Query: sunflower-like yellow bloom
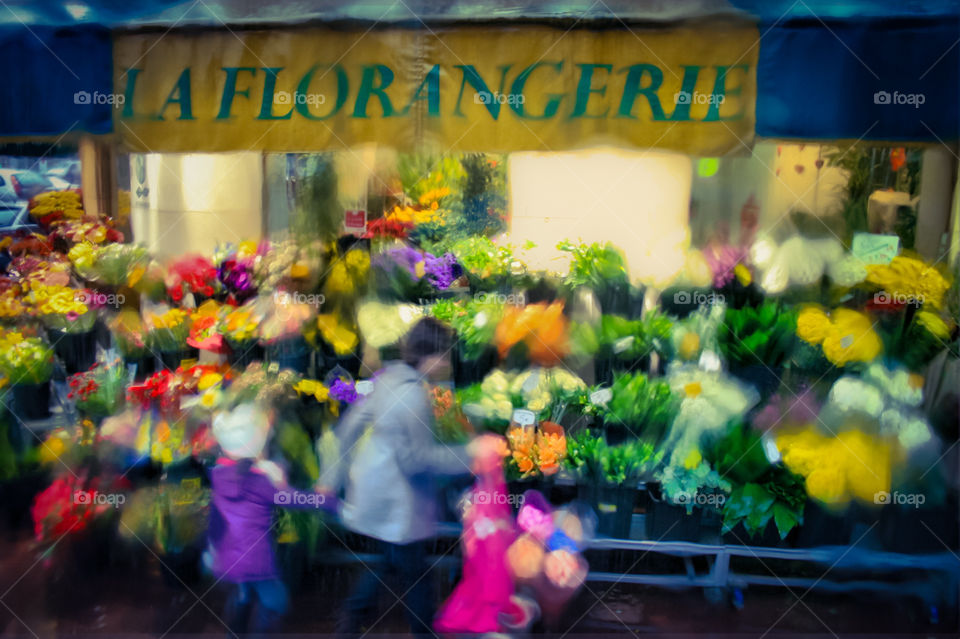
813, 324
851, 338
910, 279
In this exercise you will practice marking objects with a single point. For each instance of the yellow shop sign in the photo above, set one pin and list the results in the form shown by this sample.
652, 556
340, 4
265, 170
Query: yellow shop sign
470, 88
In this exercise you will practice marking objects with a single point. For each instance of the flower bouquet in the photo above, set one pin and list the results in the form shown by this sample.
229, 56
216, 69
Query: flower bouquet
240, 328
27, 362
99, 392
63, 309
846, 336
289, 265
489, 266
67, 233
638, 407
205, 328
452, 426
191, 274
603, 269
51, 206
167, 334
540, 329
405, 273
236, 269
385, 228
113, 265
756, 343
347, 278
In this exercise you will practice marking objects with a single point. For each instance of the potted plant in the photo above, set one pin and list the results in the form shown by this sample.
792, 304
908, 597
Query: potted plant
684, 493
756, 342
27, 362
99, 392
130, 338
619, 344
767, 500
603, 269
638, 407
69, 317
167, 337
608, 477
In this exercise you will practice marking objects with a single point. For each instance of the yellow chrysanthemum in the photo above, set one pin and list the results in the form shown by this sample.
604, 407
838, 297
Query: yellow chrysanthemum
813, 324
910, 279
934, 324
208, 380
851, 338
342, 338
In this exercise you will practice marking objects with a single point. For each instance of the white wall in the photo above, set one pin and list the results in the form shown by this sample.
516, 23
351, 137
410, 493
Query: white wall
638, 200
191, 202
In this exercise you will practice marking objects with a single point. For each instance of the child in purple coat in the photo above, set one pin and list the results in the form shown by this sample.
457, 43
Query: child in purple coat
246, 489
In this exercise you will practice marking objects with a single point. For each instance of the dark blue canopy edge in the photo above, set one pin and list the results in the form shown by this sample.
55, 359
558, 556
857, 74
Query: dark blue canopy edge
870, 79
57, 80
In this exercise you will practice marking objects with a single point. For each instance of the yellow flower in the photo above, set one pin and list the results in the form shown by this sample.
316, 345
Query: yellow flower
692, 389
209, 399
208, 380
299, 270
813, 324
420, 269
743, 274
246, 248
693, 459
340, 337
851, 338
689, 346
135, 275
910, 279
934, 324
339, 280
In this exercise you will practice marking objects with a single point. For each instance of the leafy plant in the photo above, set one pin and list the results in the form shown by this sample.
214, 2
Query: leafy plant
680, 485
762, 335
624, 339
591, 459
643, 405
474, 321
603, 269
762, 491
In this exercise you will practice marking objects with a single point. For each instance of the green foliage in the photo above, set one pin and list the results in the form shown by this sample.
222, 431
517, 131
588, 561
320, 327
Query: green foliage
591, 459
594, 265
623, 339
680, 485
763, 491
483, 193
475, 322
297, 449
646, 407
757, 336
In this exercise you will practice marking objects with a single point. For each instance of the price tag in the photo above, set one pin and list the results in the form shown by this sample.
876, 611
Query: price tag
355, 221
601, 396
524, 417
872, 248
364, 387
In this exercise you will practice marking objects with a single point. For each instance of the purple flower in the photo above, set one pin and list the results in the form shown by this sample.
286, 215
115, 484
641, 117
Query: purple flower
722, 260
343, 391
237, 277
442, 271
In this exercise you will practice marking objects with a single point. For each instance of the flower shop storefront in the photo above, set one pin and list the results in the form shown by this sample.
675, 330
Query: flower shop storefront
728, 345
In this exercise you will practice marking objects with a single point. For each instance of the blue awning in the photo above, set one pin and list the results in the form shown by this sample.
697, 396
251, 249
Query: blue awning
57, 80
863, 79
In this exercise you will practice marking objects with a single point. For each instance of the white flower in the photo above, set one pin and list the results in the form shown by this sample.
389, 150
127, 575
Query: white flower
896, 384
797, 262
847, 271
854, 394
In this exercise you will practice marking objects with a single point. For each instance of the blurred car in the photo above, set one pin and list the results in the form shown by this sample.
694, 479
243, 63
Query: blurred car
19, 185
65, 177
15, 219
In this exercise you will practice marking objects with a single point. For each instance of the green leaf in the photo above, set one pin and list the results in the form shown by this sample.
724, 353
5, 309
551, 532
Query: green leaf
785, 518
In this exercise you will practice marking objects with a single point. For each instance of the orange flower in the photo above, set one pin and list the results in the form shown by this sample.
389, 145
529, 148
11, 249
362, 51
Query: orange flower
542, 327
